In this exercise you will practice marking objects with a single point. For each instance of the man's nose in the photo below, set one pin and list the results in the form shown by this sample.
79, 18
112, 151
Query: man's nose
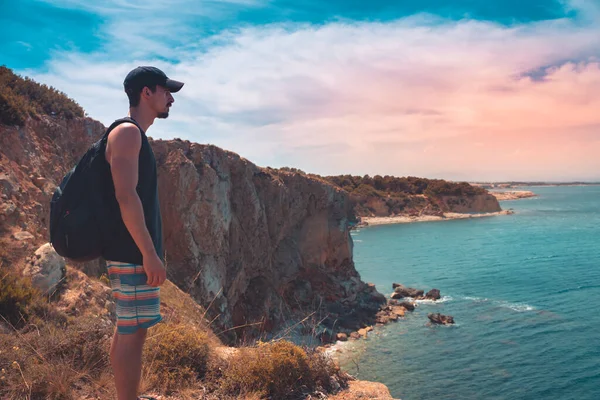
171, 99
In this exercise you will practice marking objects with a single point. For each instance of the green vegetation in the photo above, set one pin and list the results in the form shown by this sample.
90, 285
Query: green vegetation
389, 195
21, 98
384, 185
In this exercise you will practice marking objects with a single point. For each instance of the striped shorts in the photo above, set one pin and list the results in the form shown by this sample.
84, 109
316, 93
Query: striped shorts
138, 305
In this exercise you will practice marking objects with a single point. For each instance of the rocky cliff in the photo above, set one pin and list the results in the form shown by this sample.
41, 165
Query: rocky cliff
33, 159
255, 246
479, 203
261, 245
420, 205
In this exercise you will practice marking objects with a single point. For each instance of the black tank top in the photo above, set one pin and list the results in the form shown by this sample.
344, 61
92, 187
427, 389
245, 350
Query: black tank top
120, 246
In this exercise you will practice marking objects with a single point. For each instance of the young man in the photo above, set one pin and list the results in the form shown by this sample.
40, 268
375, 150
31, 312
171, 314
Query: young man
135, 257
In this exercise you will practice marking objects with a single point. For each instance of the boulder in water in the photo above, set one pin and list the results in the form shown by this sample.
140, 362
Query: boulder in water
406, 291
433, 294
441, 319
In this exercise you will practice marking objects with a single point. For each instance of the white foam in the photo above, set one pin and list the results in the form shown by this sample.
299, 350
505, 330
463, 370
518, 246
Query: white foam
519, 307
476, 299
444, 299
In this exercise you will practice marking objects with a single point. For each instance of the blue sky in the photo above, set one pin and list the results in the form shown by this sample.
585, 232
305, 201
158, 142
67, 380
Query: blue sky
465, 89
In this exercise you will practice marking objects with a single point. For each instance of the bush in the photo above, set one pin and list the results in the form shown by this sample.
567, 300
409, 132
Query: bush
23, 97
176, 356
16, 296
52, 362
278, 370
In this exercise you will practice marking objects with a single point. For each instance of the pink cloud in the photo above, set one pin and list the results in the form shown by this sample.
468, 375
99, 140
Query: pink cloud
418, 96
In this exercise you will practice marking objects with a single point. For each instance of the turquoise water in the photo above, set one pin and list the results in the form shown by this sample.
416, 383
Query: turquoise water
524, 290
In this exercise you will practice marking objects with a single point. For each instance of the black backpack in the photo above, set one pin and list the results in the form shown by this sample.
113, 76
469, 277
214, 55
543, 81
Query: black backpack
79, 221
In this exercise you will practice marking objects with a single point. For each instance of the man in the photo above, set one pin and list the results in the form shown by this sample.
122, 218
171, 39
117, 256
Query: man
134, 254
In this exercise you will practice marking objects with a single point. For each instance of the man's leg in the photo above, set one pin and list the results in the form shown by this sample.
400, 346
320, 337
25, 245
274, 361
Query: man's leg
126, 360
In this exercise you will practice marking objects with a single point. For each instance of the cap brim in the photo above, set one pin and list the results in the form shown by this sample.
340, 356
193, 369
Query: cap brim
173, 86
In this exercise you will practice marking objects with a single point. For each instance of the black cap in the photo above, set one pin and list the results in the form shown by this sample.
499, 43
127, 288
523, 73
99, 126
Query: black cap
149, 76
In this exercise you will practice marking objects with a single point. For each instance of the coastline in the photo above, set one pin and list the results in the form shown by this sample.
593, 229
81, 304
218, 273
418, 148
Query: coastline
512, 194
406, 219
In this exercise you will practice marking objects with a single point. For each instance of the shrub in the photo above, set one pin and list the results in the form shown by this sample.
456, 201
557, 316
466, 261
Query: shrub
278, 370
23, 97
52, 362
176, 356
16, 295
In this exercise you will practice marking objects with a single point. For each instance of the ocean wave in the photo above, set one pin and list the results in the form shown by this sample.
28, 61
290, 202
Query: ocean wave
519, 307
580, 287
356, 240
444, 299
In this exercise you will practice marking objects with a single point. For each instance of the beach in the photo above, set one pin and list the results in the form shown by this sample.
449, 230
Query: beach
406, 219
512, 194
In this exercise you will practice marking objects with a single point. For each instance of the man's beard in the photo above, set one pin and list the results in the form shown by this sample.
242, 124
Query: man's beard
163, 115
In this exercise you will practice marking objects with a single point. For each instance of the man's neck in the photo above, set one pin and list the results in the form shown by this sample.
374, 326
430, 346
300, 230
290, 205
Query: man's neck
143, 117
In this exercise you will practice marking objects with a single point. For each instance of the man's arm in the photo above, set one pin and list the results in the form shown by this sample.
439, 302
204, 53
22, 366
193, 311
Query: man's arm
124, 144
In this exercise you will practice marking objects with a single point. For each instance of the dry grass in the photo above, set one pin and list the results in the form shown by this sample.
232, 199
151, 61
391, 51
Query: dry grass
280, 370
50, 362
175, 358
48, 355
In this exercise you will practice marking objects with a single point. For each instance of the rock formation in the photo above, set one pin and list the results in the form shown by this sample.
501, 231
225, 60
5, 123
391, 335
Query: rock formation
256, 246
439, 319
46, 269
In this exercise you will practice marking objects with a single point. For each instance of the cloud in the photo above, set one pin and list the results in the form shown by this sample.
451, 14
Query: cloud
419, 95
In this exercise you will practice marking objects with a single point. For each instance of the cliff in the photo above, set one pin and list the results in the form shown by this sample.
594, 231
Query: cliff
257, 247
250, 251
261, 245
390, 196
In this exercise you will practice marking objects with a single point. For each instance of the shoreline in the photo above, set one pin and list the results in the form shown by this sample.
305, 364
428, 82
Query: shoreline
507, 195
406, 219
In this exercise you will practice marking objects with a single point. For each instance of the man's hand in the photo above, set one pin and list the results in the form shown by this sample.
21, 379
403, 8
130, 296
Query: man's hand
155, 270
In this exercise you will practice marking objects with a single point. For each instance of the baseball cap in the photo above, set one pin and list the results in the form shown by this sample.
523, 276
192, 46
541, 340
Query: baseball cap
139, 77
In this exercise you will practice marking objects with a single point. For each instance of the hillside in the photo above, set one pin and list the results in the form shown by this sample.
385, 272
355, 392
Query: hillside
250, 251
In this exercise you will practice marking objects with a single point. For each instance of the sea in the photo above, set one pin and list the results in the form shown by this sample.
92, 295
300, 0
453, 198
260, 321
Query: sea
524, 291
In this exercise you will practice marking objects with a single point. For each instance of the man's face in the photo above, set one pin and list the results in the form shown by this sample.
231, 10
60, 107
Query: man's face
161, 101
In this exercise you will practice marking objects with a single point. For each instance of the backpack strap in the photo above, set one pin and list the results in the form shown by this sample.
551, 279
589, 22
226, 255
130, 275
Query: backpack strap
114, 125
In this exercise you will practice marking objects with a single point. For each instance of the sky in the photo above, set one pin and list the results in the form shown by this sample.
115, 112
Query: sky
472, 90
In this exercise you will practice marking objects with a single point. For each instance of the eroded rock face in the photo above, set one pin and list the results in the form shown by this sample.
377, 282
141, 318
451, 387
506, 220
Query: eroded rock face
258, 244
33, 160
46, 269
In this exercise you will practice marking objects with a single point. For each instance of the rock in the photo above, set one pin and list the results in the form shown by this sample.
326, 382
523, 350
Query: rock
398, 311
47, 269
440, 319
355, 335
23, 235
362, 332
382, 317
406, 291
342, 337
397, 296
39, 182
433, 294
369, 328
408, 306
393, 317
363, 390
